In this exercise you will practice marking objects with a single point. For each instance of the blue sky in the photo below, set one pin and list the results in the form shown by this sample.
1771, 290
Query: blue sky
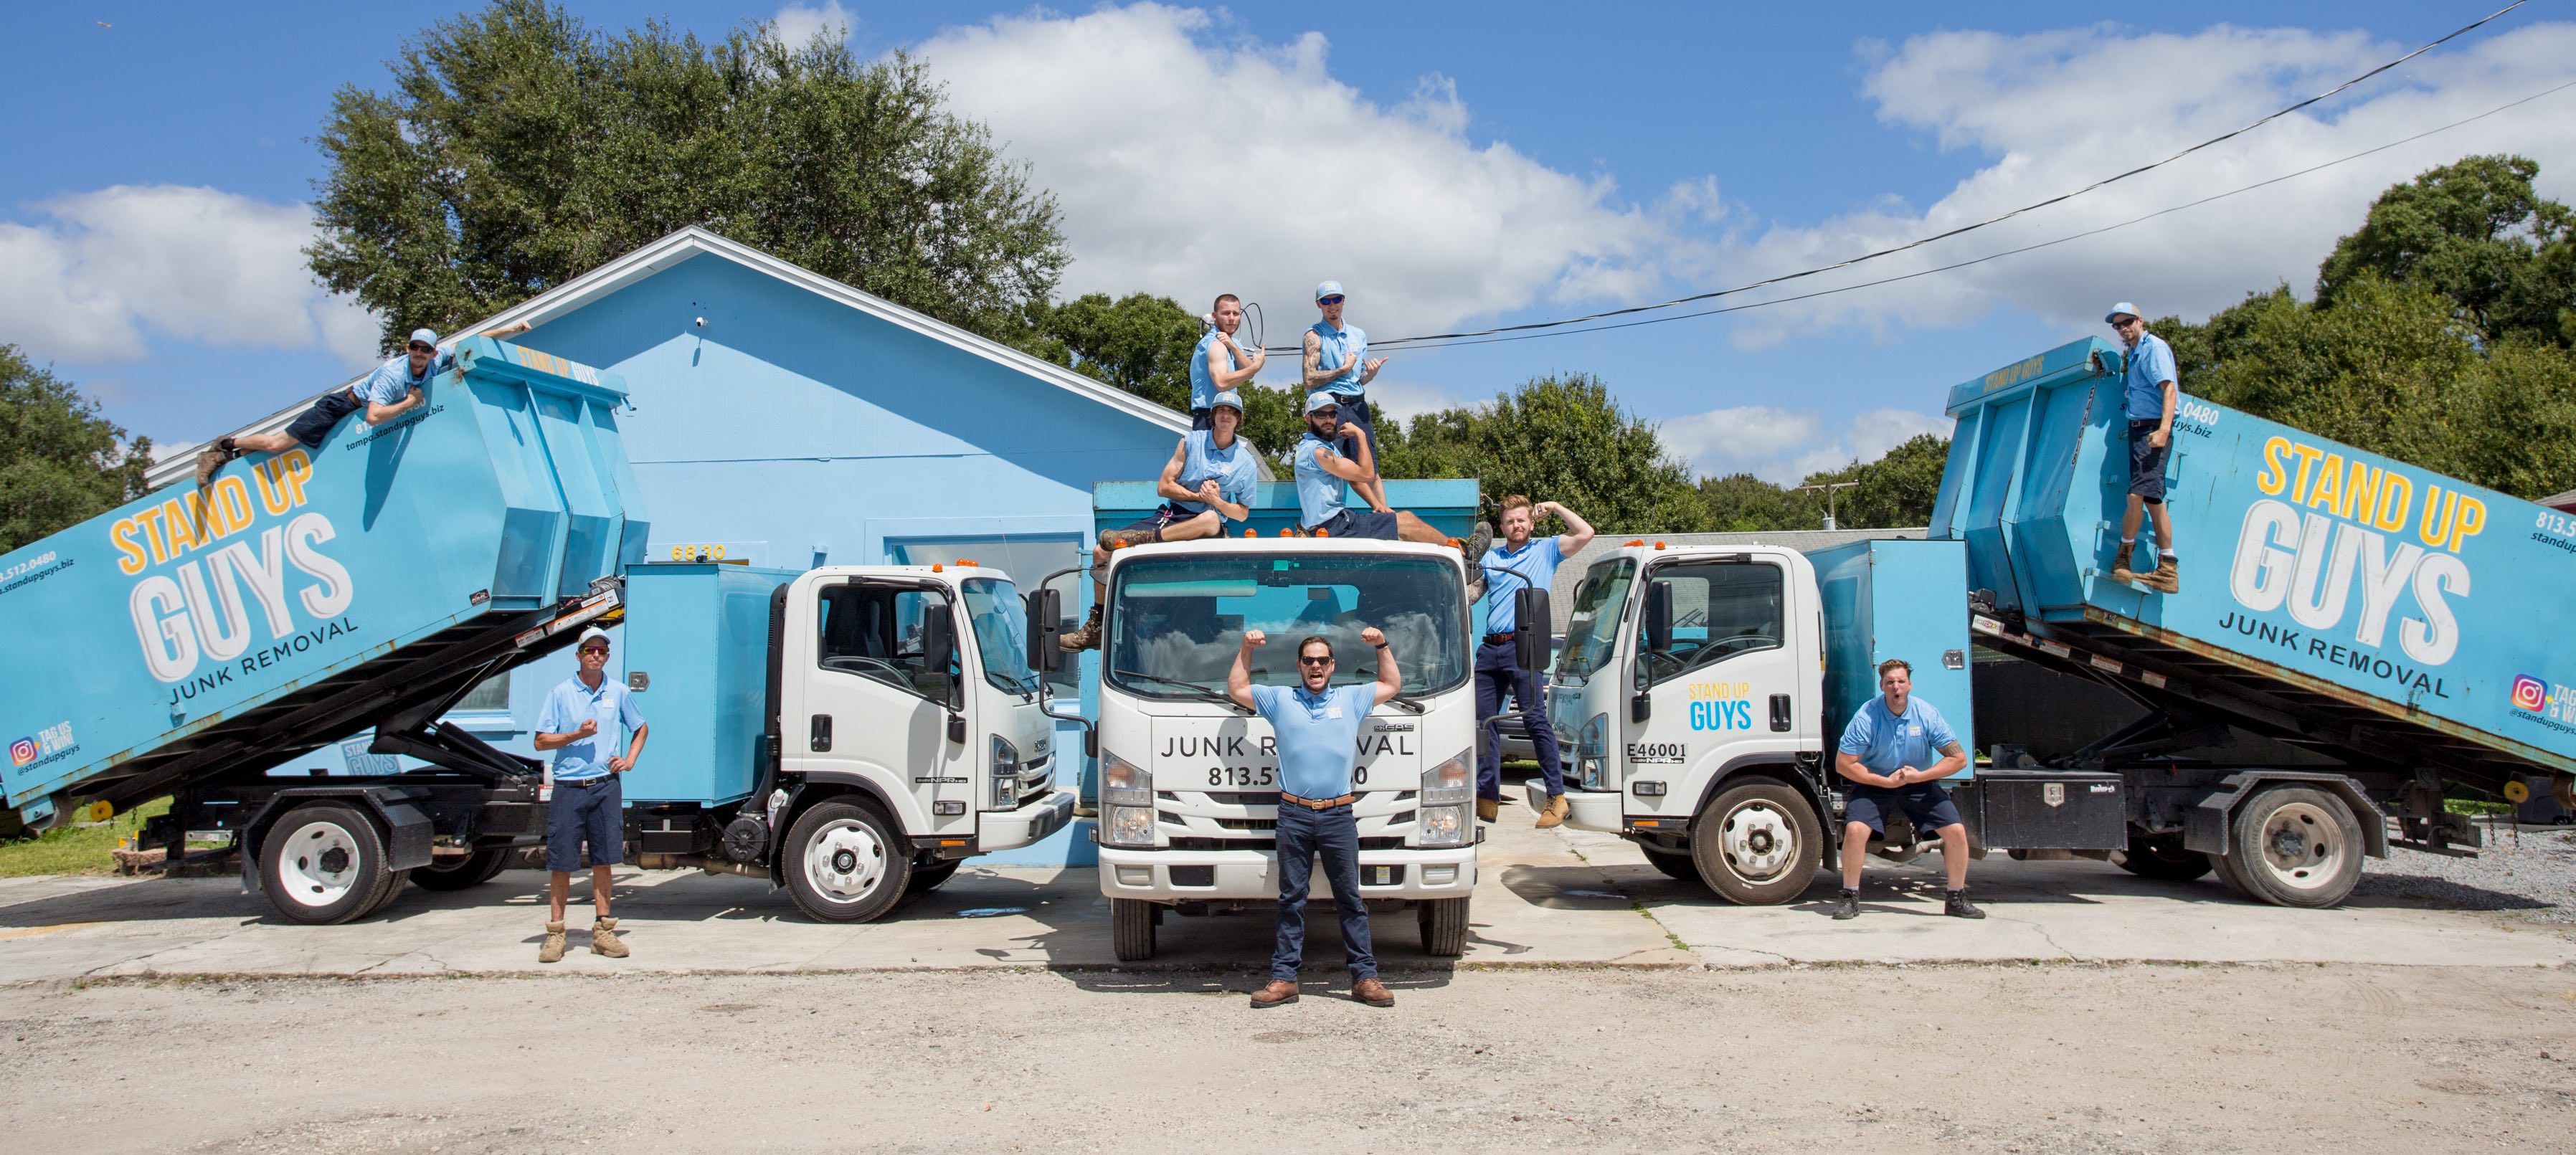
1504, 163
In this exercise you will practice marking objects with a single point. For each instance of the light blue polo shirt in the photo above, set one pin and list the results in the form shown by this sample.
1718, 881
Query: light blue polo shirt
393, 381
1231, 468
1203, 388
1319, 734
2150, 365
1888, 742
1319, 494
1345, 349
1507, 572
611, 705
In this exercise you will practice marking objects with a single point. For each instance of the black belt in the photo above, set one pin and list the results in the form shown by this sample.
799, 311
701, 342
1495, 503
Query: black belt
595, 780
1317, 803
1499, 639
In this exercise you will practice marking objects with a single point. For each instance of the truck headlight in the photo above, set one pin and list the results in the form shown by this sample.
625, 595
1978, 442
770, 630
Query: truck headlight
1127, 825
1126, 803
1004, 788
1592, 753
1448, 789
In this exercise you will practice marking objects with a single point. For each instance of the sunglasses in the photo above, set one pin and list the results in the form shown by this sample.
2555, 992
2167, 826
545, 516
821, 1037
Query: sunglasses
1328, 300
417, 347
1326, 660
1324, 411
601, 650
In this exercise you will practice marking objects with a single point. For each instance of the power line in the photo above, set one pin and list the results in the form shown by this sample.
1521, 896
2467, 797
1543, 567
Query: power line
1492, 340
2464, 29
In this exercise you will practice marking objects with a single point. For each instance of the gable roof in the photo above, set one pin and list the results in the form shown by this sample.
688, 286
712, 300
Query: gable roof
692, 242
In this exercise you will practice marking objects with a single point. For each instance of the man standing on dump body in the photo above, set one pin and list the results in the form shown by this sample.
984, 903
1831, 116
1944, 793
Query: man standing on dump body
2150, 395
1317, 725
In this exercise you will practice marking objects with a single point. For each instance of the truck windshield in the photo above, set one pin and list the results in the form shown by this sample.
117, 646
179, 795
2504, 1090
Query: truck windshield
1178, 621
993, 610
1592, 630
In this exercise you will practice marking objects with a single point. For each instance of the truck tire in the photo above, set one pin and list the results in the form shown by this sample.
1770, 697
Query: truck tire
2294, 846
323, 863
2162, 859
845, 863
464, 873
1131, 928
1444, 927
1677, 866
927, 878
1758, 843
393, 888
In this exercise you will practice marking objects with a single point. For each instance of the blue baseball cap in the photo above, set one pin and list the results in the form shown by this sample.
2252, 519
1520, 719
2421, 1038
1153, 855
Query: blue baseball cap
424, 336
2123, 309
1329, 289
1320, 399
1228, 399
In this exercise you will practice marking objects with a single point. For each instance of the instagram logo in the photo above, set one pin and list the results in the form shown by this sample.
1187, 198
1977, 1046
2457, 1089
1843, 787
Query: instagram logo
2528, 694
23, 750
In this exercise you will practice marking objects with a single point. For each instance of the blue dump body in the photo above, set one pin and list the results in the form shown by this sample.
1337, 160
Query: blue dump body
163, 623
1876, 608
2311, 571
697, 639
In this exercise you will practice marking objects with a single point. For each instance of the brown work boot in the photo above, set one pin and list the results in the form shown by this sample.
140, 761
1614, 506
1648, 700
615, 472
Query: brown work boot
1479, 540
1488, 809
1557, 809
553, 948
604, 940
2120, 564
1125, 537
2166, 579
1086, 638
1279, 993
1372, 992
212, 458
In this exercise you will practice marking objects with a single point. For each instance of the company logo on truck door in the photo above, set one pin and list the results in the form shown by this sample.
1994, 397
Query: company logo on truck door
215, 550
2331, 528
1721, 705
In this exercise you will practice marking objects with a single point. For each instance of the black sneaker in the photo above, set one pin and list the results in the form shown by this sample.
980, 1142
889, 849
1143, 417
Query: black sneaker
1848, 906
1960, 907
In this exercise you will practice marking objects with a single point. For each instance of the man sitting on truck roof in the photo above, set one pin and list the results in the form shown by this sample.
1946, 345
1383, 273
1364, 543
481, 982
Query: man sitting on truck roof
1884, 752
1210, 476
1321, 470
1317, 728
391, 391
2151, 396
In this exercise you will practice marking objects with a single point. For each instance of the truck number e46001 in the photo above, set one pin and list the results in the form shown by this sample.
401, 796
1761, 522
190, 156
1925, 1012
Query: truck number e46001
1655, 753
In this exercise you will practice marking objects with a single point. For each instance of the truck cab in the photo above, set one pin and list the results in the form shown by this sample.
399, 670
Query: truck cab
1189, 781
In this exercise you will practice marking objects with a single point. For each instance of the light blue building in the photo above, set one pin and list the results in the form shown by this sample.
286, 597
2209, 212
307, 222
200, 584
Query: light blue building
783, 419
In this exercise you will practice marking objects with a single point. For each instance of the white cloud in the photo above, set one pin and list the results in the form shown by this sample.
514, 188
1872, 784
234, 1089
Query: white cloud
106, 271
1190, 161
796, 25
1785, 445
2057, 110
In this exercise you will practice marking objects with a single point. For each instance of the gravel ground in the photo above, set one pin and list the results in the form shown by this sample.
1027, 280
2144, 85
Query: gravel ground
2531, 872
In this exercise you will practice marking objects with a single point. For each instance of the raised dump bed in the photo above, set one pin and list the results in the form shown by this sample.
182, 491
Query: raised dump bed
304, 596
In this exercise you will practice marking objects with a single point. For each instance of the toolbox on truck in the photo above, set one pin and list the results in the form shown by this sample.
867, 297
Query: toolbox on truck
2006, 809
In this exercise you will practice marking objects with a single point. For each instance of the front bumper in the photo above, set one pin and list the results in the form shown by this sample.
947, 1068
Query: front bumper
1244, 875
1600, 810
1004, 829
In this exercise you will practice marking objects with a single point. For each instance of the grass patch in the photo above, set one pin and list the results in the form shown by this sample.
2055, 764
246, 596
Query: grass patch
75, 849
2473, 806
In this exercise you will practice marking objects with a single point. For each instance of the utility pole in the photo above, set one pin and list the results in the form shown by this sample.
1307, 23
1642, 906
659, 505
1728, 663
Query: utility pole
1829, 487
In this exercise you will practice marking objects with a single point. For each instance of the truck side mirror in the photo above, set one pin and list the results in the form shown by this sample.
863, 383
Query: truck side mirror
1659, 617
1537, 628
938, 644
1046, 620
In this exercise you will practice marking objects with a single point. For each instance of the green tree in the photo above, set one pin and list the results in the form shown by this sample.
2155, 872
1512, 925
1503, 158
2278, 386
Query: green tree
518, 148
2474, 231
1139, 343
1894, 492
1556, 438
1743, 503
60, 462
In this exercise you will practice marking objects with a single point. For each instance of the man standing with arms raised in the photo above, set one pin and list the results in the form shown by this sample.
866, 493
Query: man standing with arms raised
1317, 728
1520, 561
1887, 753
1337, 362
1219, 365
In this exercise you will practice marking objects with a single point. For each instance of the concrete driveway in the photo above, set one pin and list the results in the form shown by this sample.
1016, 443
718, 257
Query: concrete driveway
1546, 898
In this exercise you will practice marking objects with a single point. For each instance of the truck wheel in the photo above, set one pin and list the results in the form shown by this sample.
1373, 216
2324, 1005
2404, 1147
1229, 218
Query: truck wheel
2162, 859
927, 878
2295, 846
1757, 843
1131, 928
1674, 865
845, 863
323, 863
393, 888
464, 873
1444, 927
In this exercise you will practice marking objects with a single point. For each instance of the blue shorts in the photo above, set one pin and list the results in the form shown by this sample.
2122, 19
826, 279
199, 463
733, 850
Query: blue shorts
593, 811
1925, 802
1161, 519
314, 424
1367, 523
2147, 462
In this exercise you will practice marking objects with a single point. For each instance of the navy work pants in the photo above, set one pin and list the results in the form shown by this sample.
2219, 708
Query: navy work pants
1495, 677
1335, 835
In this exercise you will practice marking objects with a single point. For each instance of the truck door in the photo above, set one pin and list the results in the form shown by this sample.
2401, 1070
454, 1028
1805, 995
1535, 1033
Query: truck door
1723, 684
873, 708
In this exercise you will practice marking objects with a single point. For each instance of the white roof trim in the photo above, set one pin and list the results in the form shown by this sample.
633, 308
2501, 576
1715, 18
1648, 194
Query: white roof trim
694, 241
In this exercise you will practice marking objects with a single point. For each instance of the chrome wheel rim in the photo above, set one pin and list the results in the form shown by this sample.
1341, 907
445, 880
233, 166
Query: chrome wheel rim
1758, 841
319, 864
845, 860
